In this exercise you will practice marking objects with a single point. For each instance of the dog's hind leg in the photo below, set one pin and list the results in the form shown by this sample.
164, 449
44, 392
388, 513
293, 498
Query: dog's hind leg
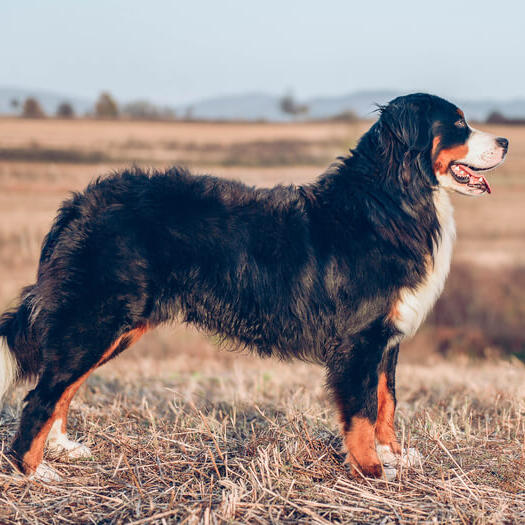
57, 440
353, 379
47, 405
44, 406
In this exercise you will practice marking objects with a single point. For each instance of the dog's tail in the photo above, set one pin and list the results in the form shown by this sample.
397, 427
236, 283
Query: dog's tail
19, 352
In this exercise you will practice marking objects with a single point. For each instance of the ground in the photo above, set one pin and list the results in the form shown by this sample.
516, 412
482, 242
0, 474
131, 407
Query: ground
184, 432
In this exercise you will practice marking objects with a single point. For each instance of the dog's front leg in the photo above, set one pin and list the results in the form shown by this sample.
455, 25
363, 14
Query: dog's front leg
353, 379
386, 400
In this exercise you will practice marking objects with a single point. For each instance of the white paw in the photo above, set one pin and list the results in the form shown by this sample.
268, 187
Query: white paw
408, 458
386, 455
45, 473
68, 448
389, 472
78, 451
58, 443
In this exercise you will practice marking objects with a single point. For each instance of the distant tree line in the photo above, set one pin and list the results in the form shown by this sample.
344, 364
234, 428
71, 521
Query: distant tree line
289, 106
106, 107
498, 118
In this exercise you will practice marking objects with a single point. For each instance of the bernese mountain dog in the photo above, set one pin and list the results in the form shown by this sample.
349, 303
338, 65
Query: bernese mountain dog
336, 272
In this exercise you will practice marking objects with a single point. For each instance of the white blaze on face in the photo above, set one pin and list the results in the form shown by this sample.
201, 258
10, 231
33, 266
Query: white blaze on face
483, 151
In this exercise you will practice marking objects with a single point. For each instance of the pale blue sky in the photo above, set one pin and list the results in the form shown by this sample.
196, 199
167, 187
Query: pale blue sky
179, 51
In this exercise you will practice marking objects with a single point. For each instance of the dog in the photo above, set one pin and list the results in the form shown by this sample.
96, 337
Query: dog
337, 272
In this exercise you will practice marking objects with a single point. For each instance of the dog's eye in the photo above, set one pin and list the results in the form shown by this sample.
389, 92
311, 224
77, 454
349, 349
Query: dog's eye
460, 123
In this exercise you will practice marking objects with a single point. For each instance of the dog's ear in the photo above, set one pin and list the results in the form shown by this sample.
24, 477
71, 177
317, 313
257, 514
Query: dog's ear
405, 137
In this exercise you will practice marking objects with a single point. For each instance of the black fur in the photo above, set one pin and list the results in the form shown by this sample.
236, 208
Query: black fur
307, 272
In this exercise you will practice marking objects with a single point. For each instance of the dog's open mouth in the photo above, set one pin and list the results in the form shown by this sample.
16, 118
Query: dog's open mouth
464, 174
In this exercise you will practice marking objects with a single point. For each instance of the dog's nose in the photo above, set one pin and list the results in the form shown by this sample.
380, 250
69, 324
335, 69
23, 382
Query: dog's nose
503, 142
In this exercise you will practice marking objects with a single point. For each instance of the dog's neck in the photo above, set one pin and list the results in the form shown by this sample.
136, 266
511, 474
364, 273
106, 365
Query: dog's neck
359, 189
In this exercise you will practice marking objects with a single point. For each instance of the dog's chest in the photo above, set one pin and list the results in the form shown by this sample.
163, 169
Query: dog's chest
414, 304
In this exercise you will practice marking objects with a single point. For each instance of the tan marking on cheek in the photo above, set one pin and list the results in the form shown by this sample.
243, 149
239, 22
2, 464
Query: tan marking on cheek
447, 156
385, 432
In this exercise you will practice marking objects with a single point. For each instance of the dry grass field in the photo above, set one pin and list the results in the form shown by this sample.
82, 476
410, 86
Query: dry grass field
183, 432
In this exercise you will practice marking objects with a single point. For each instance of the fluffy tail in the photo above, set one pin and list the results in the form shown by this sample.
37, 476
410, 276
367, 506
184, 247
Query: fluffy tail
19, 353
9, 368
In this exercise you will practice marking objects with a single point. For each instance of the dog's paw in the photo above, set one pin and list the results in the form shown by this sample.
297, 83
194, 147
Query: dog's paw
45, 473
386, 456
408, 458
59, 444
77, 451
389, 472
70, 449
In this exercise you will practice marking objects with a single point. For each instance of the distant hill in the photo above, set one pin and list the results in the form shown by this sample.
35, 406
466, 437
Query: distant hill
259, 106
247, 106
264, 106
363, 103
481, 109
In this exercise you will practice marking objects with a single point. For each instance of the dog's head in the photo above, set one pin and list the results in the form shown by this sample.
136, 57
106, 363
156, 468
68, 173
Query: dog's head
426, 137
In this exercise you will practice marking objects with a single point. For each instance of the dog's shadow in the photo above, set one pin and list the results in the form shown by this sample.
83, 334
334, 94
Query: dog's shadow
212, 416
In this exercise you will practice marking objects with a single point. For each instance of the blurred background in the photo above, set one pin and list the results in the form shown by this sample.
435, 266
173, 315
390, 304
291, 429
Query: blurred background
266, 94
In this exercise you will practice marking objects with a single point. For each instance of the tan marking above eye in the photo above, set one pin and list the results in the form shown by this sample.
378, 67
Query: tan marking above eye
460, 113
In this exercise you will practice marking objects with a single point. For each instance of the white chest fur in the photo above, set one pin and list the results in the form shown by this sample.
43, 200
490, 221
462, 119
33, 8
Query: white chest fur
415, 303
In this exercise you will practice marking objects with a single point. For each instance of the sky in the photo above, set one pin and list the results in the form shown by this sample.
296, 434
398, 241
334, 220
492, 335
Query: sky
175, 52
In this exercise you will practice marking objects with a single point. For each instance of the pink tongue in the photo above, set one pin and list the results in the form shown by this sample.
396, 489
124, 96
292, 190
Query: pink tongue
476, 179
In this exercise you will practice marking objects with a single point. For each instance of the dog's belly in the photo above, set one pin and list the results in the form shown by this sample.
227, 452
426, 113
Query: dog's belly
414, 304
